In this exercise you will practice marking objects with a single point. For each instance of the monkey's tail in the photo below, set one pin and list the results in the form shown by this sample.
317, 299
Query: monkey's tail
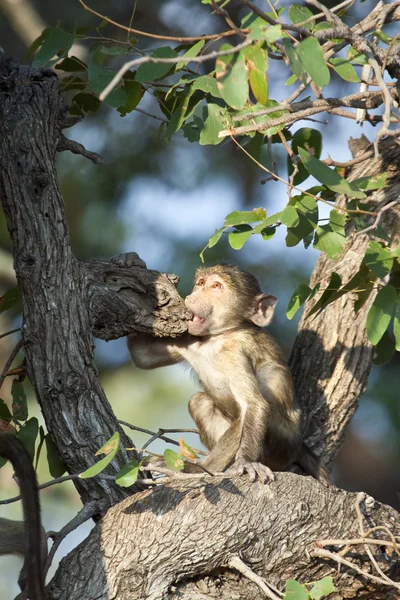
312, 465
14, 450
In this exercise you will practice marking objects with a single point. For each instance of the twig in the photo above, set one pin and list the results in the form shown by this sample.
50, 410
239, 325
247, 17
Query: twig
236, 563
170, 61
92, 508
343, 561
377, 218
360, 497
334, 163
225, 15
317, 198
173, 474
372, 99
357, 542
154, 36
140, 110
10, 332
362, 45
160, 434
10, 360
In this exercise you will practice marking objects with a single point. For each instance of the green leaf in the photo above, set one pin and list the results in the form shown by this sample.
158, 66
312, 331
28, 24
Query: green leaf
86, 102
309, 139
289, 216
257, 64
328, 241
54, 42
384, 37
193, 51
294, 62
152, 71
5, 414
328, 176
380, 313
213, 124
268, 233
214, 239
375, 182
178, 116
307, 210
300, 295
356, 57
99, 78
239, 217
134, 93
206, 84
231, 74
272, 33
324, 587
71, 64
110, 448
298, 14
173, 460
312, 58
345, 69
28, 434
237, 239
384, 350
129, 473
328, 295
396, 323
56, 465
10, 299
19, 403
337, 221
379, 259
295, 591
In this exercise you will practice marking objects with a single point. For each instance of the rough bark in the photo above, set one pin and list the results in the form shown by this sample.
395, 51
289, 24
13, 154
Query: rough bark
161, 543
62, 299
177, 539
331, 357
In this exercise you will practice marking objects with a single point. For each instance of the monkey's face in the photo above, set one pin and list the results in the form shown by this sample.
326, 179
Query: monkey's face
209, 303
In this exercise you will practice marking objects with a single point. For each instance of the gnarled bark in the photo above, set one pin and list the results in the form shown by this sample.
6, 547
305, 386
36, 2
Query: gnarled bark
177, 541
332, 356
64, 300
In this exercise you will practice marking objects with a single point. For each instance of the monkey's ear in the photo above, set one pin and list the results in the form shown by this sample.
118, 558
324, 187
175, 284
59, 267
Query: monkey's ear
264, 309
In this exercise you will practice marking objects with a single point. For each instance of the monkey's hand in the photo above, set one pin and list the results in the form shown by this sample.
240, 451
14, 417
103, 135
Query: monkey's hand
128, 259
255, 470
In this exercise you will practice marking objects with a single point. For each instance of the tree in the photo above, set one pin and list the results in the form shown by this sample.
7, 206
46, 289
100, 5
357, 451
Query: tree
187, 537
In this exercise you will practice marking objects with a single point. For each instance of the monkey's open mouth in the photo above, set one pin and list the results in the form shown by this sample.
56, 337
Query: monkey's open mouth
196, 319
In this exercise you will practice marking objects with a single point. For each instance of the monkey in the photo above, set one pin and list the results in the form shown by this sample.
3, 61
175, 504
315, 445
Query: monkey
247, 414
26, 538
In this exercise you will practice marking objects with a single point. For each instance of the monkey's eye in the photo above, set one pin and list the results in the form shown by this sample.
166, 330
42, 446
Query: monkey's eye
217, 285
200, 282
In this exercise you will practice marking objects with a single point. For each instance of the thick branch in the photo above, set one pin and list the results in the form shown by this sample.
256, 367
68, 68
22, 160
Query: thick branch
183, 537
125, 300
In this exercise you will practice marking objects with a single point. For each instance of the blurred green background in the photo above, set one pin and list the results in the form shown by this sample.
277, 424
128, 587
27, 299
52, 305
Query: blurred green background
164, 201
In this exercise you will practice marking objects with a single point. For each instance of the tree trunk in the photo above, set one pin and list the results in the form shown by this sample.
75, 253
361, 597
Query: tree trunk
183, 538
62, 299
332, 357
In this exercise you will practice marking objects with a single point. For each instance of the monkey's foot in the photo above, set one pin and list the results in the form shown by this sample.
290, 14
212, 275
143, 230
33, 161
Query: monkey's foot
128, 259
254, 470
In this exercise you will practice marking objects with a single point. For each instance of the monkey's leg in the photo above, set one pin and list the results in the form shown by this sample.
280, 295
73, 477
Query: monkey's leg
212, 424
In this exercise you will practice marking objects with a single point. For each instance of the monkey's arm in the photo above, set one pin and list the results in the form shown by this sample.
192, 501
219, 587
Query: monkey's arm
148, 352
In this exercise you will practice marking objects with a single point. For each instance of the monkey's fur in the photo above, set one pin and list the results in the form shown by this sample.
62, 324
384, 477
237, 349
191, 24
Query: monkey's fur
25, 538
247, 414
